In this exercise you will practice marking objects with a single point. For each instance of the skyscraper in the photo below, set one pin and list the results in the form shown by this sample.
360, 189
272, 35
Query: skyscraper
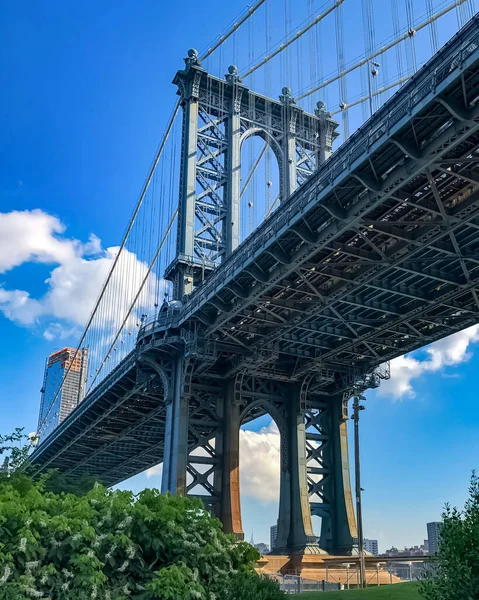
434, 536
371, 546
273, 534
54, 408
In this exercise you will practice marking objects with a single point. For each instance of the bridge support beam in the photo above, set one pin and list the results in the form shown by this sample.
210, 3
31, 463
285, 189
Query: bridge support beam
329, 475
202, 442
295, 529
230, 493
175, 458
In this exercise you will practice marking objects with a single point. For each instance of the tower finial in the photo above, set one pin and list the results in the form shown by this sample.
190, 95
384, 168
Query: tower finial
192, 58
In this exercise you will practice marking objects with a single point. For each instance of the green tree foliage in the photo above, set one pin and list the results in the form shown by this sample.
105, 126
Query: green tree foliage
111, 545
457, 574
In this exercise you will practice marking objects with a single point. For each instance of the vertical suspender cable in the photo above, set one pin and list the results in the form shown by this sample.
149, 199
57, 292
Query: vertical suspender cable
433, 27
117, 257
397, 31
341, 62
412, 34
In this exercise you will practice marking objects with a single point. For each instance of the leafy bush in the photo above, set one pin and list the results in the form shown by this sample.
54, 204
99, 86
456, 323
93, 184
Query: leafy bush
456, 576
245, 586
103, 544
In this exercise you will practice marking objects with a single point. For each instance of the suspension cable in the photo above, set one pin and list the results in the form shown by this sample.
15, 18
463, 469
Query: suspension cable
253, 170
293, 39
396, 41
233, 28
374, 93
117, 257
137, 295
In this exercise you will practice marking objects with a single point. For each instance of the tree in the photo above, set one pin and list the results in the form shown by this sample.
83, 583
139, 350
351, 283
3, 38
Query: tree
456, 576
115, 545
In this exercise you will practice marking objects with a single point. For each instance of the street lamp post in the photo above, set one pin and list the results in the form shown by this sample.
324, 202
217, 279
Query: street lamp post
357, 470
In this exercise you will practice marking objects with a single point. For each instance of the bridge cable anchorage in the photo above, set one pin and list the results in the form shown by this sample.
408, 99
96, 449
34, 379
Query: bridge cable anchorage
232, 30
137, 295
117, 257
293, 39
380, 51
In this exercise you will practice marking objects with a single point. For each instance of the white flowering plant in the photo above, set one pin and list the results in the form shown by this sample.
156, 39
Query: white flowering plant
112, 545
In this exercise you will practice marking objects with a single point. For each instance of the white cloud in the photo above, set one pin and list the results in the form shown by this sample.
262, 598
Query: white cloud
260, 463
447, 352
155, 471
32, 236
75, 281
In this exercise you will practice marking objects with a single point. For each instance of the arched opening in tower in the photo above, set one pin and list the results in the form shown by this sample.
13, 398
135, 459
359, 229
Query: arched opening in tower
260, 183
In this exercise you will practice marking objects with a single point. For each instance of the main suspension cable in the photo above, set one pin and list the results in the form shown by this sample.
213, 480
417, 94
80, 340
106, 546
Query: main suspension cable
232, 29
293, 39
365, 60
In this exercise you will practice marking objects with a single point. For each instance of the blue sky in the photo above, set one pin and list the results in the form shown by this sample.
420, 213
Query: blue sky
87, 92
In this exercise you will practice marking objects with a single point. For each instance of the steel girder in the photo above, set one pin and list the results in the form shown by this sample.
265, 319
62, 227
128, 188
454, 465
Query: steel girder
376, 255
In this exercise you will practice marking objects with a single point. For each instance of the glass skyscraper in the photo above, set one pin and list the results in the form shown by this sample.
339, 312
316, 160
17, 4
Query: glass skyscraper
57, 405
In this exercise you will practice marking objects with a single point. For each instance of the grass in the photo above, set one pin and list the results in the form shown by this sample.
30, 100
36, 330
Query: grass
397, 591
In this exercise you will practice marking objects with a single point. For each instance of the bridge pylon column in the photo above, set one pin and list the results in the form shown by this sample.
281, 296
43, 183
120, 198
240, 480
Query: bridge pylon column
230, 514
295, 529
329, 476
175, 458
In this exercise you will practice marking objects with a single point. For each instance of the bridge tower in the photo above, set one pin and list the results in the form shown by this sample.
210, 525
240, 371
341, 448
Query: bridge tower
218, 116
204, 413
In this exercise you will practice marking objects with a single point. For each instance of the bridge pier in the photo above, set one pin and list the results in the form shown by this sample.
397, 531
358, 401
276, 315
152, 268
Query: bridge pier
202, 442
175, 457
328, 427
230, 493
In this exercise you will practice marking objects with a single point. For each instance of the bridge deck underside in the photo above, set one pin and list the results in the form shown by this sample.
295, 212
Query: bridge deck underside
363, 267
116, 432
375, 256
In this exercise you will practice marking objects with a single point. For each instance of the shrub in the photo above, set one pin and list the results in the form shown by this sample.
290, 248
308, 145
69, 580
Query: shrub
456, 576
114, 544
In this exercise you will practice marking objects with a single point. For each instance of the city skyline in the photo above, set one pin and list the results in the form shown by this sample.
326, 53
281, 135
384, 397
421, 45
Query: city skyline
75, 159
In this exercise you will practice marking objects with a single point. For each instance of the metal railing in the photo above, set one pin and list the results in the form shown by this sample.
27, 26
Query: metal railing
295, 584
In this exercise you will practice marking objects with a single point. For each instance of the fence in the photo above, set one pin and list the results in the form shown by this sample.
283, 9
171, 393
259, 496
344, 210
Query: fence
294, 584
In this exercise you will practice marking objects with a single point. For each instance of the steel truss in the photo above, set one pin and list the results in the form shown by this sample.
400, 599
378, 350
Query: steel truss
218, 116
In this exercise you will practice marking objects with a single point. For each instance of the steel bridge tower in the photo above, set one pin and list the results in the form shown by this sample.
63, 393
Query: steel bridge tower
205, 413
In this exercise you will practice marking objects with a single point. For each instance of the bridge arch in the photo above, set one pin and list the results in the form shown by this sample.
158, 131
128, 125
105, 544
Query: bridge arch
261, 178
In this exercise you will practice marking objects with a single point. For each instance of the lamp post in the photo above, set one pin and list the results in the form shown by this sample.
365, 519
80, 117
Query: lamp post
357, 471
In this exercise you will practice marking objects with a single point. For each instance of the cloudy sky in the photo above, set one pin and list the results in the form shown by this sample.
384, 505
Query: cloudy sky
86, 98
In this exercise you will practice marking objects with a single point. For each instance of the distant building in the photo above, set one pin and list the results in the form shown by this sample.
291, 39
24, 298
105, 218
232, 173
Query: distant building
57, 405
262, 548
412, 551
371, 546
273, 535
434, 536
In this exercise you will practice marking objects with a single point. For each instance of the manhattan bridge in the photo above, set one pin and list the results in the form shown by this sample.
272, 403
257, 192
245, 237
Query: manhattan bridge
271, 268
